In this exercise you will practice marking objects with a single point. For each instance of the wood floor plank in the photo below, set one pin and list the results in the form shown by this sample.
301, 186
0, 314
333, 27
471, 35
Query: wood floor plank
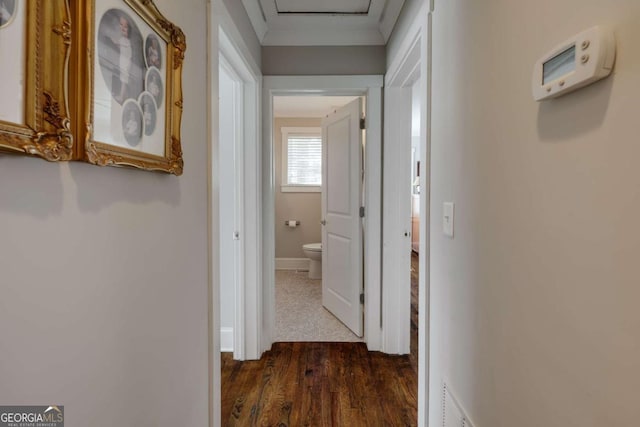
324, 384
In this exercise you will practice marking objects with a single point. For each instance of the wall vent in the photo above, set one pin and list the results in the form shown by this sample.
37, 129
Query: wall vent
452, 413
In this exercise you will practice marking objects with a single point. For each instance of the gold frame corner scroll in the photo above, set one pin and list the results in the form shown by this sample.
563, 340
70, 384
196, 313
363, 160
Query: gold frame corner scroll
46, 128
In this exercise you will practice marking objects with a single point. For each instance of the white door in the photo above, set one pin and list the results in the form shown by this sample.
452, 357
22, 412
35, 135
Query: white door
342, 226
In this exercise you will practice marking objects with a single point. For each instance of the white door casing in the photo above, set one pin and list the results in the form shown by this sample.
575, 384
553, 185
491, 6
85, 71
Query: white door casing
411, 55
369, 86
230, 173
342, 226
247, 169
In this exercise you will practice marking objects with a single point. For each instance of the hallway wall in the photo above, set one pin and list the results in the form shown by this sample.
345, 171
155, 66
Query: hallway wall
103, 274
534, 302
323, 60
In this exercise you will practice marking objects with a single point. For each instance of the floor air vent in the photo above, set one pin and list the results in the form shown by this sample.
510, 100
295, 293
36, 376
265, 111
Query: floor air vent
452, 413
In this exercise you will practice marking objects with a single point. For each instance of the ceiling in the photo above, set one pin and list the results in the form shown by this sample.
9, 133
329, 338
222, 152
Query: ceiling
323, 22
308, 106
327, 6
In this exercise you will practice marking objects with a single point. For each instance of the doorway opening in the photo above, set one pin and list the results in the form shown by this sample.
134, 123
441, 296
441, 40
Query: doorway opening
344, 247
415, 197
316, 300
259, 305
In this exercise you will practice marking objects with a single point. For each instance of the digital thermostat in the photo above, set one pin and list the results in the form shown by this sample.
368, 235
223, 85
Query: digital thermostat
576, 63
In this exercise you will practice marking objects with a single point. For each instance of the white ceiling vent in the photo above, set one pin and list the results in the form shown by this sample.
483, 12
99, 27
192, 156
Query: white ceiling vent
452, 413
331, 7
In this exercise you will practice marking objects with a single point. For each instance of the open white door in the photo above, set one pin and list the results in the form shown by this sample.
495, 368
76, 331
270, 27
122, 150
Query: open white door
342, 226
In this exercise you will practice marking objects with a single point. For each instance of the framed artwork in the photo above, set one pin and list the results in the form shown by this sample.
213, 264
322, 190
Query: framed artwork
35, 40
130, 85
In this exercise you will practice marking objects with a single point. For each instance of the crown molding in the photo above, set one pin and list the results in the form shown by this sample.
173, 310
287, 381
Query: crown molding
274, 29
257, 17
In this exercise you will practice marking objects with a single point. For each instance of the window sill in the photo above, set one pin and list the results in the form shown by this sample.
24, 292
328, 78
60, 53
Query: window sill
300, 189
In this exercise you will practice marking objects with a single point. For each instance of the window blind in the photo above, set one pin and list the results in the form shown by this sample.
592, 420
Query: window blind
304, 160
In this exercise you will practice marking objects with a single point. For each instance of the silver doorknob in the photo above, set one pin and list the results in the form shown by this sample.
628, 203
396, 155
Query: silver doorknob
323, 222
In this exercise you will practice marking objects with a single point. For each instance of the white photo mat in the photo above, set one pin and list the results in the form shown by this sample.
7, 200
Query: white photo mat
129, 80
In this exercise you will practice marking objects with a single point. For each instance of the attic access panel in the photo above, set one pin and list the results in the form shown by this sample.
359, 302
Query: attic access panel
329, 7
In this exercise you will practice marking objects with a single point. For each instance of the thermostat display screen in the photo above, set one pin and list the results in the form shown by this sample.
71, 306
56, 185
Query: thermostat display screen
560, 65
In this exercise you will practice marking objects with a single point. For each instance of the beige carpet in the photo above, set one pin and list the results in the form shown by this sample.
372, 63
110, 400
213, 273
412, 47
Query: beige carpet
300, 315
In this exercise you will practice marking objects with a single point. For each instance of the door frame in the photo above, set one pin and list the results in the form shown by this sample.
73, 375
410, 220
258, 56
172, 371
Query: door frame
231, 339
369, 86
236, 56
413, 58
403, 73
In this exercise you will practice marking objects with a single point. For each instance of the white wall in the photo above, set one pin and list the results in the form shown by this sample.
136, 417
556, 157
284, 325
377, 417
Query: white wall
104, 276
416, 122
534, 303
415, 113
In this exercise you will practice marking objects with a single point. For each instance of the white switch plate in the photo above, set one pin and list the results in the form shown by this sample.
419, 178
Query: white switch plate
447, 218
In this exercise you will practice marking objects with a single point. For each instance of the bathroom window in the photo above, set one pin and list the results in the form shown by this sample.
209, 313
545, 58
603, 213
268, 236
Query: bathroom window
301, 160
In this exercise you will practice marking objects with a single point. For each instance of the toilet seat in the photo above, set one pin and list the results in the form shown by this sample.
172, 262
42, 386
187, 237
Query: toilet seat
312, 247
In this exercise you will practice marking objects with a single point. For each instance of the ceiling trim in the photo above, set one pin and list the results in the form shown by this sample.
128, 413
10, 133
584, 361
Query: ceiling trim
257, 17
377, 7
304, 29
389, 16
322, 37
337, 8
322, 13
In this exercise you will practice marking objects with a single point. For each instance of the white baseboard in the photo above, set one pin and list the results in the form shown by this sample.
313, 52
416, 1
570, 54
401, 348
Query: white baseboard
299, 264
226, 340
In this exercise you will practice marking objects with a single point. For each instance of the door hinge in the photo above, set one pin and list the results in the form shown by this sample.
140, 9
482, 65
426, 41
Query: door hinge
362, 298
361, 211
363, 123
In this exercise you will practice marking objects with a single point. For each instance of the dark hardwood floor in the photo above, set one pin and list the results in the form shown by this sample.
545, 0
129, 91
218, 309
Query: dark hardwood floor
324, 384
414, 311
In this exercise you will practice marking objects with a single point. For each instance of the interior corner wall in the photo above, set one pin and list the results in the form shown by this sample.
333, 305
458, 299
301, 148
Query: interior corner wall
104, 275
323, 60
242, 22
534, 302
304, 207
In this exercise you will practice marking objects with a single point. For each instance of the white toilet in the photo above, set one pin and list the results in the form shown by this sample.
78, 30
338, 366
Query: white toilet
313, 251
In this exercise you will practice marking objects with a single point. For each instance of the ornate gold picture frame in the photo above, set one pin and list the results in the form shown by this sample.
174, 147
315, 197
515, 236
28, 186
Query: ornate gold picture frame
35, 40
129, 85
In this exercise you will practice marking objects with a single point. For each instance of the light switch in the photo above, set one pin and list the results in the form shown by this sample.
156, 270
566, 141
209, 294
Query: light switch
447, 218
